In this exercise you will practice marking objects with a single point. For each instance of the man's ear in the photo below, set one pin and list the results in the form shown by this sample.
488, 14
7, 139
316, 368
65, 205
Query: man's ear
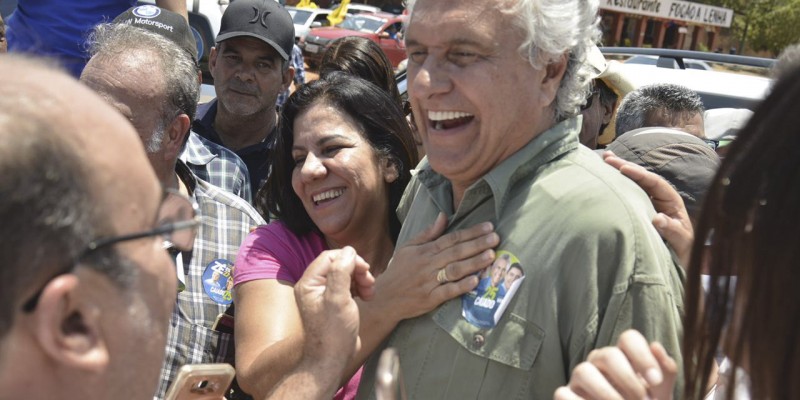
212, 61
288, 77
551, 80
176, 136
67, 326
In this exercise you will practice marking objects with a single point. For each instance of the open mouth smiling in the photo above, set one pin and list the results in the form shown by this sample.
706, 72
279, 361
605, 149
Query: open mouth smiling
449, 119
327, 195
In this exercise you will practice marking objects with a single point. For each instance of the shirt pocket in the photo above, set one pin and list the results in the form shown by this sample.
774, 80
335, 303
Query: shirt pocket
500, 359
210, 346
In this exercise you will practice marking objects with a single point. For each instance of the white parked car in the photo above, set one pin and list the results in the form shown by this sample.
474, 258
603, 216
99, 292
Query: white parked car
717, 89
307, 18
358, 8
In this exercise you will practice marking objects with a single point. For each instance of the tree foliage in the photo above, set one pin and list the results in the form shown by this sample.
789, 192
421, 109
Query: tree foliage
765, 25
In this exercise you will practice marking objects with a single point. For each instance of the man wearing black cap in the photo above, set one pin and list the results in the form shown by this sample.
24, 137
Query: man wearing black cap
250, 66
153, 82
207, 160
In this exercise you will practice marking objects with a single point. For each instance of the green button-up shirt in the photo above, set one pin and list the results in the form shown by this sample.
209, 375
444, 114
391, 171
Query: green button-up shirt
594, 266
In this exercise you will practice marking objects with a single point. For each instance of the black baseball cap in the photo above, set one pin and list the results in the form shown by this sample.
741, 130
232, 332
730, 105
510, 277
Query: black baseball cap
163, 22
265, 20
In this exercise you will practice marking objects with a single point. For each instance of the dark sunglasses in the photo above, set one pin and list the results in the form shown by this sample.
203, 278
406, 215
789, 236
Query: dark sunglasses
590, 99
177, 223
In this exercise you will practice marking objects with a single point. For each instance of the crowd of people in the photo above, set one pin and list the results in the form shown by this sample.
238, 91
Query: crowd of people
473, 229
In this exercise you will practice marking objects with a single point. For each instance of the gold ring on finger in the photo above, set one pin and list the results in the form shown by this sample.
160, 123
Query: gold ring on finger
441, 276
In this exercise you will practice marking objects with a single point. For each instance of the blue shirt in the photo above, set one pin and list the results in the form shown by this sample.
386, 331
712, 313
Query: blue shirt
59, 28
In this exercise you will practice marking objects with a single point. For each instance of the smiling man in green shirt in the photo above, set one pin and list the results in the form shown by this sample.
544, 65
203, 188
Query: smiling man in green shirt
495, 86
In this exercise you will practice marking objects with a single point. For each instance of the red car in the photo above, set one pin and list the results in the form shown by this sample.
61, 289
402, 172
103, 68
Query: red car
382, 28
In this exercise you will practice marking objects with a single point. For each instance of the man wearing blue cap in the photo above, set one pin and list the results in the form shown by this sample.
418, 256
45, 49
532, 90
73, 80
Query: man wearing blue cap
250, 66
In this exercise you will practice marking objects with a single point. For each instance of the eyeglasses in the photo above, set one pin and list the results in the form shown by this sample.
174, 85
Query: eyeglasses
177, 222
590, 99
711, 143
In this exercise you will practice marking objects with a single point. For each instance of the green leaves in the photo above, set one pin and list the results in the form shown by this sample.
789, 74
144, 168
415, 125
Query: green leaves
763, 25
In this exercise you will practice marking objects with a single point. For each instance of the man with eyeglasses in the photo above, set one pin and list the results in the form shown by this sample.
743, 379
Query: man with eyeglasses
597, 113
87, 288
87, 285
145, 75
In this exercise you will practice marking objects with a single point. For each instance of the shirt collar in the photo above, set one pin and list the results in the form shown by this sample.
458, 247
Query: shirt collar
204, 126
204, 121
544, 148
196, 151
186, 176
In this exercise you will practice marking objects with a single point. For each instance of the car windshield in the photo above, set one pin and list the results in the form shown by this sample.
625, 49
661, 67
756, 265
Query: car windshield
299, 17
362, 24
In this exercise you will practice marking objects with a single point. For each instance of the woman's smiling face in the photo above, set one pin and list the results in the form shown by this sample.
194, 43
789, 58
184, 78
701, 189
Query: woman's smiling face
338, 176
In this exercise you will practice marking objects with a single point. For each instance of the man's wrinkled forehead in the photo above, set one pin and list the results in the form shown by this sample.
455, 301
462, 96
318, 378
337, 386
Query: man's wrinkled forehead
80, 117
467, 12
458, 22
242, 43
414, 5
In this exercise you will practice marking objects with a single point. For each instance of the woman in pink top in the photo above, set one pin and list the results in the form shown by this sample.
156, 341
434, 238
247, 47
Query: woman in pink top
340, 165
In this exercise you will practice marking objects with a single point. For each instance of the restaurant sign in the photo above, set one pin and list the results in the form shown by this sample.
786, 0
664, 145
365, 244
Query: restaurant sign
673, 9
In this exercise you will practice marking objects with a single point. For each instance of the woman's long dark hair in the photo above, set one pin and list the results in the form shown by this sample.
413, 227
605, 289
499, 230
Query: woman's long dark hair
752, 218
382, 124
360, 57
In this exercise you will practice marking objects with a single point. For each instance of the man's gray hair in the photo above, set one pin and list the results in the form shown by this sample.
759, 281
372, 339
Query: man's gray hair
554, 28
179, 70
671, 99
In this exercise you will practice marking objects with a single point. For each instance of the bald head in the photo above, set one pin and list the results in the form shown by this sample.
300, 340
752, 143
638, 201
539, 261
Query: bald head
45, 95
61, 148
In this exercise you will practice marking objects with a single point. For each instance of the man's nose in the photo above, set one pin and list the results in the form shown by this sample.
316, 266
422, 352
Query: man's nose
429, 78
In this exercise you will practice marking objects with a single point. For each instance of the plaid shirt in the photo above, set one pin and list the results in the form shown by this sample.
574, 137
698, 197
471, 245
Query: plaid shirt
217, 166
225, 220
299, 73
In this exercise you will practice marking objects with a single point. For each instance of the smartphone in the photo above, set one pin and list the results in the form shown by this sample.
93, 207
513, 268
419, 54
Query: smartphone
201, 382
389, 377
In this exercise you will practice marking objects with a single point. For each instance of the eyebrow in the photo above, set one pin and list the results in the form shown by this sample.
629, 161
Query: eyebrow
458, 41
229, 48
322, 141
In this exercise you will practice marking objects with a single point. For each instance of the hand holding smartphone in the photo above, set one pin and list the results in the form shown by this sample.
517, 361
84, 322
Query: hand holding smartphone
201, 382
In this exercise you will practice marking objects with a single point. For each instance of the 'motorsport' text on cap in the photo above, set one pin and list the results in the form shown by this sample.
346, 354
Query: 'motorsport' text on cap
166, 23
